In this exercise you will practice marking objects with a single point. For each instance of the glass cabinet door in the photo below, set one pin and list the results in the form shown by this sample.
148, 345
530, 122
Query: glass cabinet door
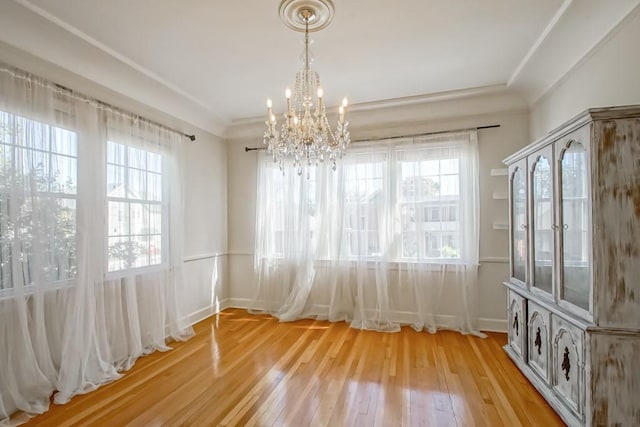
574, 219
542, 221
519, 222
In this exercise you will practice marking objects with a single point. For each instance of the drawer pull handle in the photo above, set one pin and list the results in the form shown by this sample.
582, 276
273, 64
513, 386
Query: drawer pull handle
566, 363
538, 341
515, 323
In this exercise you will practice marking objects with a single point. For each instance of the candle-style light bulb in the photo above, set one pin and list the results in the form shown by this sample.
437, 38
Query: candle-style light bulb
287, 93
269, 103
273, 118
344, 102
320, 93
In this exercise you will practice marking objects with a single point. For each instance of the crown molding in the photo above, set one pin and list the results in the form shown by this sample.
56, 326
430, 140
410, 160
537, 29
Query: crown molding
58, 43
397, 112
572, 35
541, 38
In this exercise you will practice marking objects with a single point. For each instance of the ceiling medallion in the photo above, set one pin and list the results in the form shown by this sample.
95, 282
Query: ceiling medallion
306, 136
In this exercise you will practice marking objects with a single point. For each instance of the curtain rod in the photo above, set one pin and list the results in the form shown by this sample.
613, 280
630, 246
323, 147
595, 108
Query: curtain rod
102, 104
247, 149
31, 78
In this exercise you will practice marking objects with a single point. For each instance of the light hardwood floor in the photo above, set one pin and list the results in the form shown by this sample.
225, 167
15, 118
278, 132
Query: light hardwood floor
242, 369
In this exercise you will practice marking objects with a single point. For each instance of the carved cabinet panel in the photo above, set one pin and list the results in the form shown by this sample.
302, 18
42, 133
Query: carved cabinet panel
517, 323
538, 341
567, 374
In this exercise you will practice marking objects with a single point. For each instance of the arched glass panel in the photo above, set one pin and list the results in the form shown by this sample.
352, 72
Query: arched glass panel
518, 222
574, 225
542, 225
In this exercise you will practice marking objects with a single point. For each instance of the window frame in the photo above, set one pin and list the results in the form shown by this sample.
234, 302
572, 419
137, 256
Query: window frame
51, 126
449, 210
163, 265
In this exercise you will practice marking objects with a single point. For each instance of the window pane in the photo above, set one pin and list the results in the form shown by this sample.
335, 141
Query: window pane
155, 219
6, 128
34, 169
430, 167
154, 186
450, 186
137, 158
56, 234
139, 218
32, 134
139, 251
115, 153
364, 200
449, 166
115, 181
119, 253
410, 245
137, 185
64, 142
154, 162
5, 160
118, 219
63, 174
155, 250
6, 281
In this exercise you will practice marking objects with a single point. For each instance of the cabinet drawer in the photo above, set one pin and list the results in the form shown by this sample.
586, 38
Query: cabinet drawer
567, 367
517, 328
538, 339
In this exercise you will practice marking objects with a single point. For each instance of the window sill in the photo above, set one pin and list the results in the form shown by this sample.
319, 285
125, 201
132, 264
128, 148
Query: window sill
393, 265
139, 271
10, 293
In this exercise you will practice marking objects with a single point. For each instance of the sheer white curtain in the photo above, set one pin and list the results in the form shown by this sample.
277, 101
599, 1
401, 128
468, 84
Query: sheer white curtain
90, 250
390, 238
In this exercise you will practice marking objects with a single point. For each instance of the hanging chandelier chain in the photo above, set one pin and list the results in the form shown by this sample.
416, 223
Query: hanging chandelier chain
306, 15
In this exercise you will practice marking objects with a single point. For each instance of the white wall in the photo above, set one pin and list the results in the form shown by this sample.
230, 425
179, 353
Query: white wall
494, 144
609, 75
205, 187
205, 227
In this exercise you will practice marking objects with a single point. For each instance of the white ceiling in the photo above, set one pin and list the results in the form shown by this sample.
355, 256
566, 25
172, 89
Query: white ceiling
227, 57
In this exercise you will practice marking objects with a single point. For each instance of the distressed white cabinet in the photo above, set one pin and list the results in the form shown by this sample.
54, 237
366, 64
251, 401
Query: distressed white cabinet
574, 286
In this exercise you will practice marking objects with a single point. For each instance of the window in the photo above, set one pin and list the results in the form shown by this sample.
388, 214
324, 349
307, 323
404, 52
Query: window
364, 186
38, 190
429, 183
398, 201
135, 209
291, 204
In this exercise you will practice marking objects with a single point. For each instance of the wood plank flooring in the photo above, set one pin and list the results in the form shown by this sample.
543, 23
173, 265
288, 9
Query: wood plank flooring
248, 370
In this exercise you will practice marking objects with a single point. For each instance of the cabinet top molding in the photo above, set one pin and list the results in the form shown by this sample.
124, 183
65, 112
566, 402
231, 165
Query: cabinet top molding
587, 116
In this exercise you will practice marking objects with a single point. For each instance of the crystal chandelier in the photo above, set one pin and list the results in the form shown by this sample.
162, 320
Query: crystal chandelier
305, 135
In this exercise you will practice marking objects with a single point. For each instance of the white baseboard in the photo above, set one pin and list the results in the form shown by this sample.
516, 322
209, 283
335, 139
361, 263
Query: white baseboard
239, 303
200, 315
492, 325
404, 317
